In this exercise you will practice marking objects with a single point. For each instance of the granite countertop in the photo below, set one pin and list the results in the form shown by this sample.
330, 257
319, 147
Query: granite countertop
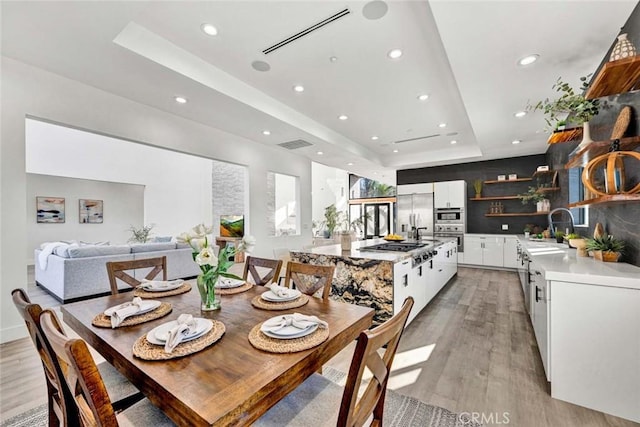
560, 263
355, 252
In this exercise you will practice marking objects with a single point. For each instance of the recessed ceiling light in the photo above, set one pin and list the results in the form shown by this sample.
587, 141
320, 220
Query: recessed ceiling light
319, 153
343, 117
516, 141
529, 59
374, 138
395, 151
180, 100
266, 132
442, 125
423, 97
520, 114
261, 66
394, 53
350, 164
333, 58
298, 88
454, 142
209, 29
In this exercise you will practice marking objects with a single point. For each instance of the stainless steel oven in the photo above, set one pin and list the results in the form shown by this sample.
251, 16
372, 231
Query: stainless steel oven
449, 216
458, 236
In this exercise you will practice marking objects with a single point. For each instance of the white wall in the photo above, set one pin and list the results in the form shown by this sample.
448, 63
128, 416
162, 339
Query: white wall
123, 206
178, 186
329, 186
28, 90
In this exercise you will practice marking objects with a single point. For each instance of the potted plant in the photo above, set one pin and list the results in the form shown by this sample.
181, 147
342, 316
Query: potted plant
559, 236
561, 125
533, 195
332, 218
477, 185
578, 109
527, 232
606, 248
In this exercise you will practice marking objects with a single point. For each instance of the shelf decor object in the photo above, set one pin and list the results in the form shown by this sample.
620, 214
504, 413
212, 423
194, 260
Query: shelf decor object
622, 123
623, 48
614, 182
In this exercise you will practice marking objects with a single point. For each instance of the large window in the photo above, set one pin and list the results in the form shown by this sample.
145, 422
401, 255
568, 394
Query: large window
576, 194
283, 212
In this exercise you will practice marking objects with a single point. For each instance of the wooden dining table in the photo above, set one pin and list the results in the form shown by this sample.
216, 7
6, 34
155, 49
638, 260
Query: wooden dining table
229, 382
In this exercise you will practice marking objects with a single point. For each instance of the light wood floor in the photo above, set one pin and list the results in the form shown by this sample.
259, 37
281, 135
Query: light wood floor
471, 350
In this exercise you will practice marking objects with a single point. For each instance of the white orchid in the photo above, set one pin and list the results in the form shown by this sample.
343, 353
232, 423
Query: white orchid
207, 257
198, 243
184, 238
202, 230
247, 244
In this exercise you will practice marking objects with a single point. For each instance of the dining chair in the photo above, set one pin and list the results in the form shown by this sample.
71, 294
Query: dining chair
285, 255
62, 409
90, 395
252, 264
320, 397
309, 278
118, 270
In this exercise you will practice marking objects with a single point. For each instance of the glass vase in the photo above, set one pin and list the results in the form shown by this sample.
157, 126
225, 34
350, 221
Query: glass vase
209, 301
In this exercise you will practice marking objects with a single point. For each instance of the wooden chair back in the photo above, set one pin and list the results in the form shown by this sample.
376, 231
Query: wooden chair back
80, 374
273, 265
285, 255
62, 410
118, 270
354, 411
309, 278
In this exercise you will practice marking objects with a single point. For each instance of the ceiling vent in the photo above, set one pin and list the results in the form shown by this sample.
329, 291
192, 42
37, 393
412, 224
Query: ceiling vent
306, 31
416, 139
294, 145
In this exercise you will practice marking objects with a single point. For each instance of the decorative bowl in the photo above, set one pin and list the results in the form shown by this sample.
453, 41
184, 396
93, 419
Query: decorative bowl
579, 244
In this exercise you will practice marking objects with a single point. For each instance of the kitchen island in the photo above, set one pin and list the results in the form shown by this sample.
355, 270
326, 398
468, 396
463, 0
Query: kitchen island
586, 319
383, 279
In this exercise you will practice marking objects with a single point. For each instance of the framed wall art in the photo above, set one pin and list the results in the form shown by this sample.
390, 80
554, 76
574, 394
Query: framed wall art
50, 209
90, 211
232, 225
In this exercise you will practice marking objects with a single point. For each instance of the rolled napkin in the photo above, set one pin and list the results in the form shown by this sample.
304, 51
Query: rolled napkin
297, 320
127, 309
186, 324
281, 291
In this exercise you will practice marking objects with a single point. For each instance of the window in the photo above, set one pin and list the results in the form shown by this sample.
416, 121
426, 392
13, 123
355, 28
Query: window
283, 204
576, 194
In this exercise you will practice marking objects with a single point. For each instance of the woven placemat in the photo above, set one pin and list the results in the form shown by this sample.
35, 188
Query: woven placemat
147, 351
139, 292
104, 321
232, 291
274, 345
258, 302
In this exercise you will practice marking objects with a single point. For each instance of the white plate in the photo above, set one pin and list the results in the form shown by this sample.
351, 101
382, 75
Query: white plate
162, 286
289, 332
271, 297
158, 335
145, 307
228, 283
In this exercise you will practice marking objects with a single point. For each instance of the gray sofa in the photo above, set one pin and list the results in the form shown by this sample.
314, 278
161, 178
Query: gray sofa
78, 272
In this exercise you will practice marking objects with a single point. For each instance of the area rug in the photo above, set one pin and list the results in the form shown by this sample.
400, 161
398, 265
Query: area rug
400, 411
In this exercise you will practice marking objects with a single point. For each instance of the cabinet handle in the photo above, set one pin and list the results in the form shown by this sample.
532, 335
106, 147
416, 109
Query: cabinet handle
405, 280
538, 273
537, 294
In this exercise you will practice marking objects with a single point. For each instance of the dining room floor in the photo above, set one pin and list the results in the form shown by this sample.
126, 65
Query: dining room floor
472, 350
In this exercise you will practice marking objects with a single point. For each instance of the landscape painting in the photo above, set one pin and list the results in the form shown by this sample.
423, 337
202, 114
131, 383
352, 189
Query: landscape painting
232, 225
90, 211
50, 209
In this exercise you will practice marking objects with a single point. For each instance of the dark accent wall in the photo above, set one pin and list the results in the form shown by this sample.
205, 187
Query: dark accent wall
488, 170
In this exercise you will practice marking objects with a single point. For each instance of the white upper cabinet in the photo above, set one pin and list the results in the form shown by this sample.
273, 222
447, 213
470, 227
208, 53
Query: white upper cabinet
404, 189
450, 194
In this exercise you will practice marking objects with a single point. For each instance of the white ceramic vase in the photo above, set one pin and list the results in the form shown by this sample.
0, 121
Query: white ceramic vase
623, 48
586, 136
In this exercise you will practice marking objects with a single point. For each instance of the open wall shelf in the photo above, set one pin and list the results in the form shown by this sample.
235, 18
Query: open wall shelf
519, 214
612, 198
615, 77
504, 181
540, 190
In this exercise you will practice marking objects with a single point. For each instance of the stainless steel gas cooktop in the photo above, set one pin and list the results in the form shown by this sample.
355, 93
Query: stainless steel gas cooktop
394, 247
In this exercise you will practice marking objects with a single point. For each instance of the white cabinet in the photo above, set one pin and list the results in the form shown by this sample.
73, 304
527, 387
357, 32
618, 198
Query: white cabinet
484, 250
540, 315
511, 252
401, 283
404, 189
449, 194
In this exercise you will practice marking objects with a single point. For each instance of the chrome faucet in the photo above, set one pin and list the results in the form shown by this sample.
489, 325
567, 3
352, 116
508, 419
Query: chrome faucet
552, 227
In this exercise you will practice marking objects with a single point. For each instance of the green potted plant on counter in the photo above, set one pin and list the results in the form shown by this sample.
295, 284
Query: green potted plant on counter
606, 248
559, 236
